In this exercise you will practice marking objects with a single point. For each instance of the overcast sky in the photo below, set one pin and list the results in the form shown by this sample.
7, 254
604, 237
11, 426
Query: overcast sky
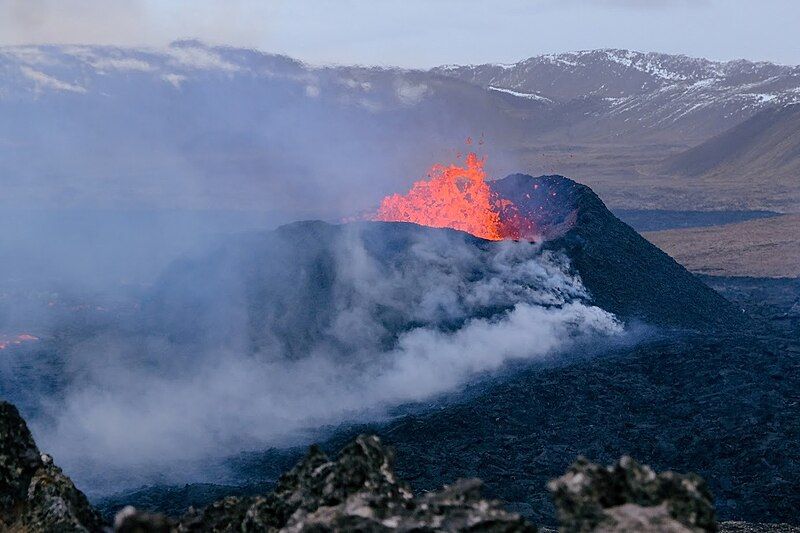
420, 33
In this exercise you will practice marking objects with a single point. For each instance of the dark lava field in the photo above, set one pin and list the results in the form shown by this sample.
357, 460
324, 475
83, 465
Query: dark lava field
724, 405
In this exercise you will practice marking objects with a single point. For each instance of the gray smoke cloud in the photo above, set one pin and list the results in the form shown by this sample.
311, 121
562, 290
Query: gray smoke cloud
53, 21
132, 22
141, 404
121, 158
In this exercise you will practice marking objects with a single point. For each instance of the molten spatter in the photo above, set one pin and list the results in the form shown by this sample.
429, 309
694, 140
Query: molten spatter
454, 197
460, 198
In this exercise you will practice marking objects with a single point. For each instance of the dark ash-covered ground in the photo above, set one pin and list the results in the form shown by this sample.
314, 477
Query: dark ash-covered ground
726, 406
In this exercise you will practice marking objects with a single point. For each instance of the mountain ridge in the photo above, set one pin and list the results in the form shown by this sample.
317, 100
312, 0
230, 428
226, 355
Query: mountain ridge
660, 89
655, 89
606, 117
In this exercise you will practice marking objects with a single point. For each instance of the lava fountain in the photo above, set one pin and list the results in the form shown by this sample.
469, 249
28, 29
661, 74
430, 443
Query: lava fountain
458, 197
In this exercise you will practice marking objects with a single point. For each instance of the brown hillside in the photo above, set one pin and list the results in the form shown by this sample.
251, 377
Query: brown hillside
762, 248
760, 154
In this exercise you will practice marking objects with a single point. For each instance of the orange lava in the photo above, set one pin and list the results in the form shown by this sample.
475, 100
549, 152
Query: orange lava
454, 197
6, 341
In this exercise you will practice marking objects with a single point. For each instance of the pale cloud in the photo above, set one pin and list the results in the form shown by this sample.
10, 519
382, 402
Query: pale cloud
312, 91
174, 79
410, 93
133, 22
72, 21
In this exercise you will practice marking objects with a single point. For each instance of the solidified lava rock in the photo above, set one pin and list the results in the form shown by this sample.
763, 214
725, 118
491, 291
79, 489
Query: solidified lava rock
628, 496
358, 491
34, 494
355, 492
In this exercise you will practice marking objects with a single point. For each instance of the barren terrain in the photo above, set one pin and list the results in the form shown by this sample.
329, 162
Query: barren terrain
767, 248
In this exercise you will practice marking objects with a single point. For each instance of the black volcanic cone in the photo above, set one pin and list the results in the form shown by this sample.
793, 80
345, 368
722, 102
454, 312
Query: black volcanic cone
284, 281
624, 272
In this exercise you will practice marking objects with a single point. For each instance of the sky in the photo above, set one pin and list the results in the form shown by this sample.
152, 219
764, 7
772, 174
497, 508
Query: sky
419, 33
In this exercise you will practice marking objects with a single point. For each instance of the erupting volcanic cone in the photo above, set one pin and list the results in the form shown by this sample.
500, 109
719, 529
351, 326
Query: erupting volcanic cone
460, 197
624, 272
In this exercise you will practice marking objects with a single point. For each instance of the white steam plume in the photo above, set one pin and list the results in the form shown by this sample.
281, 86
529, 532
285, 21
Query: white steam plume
122, 415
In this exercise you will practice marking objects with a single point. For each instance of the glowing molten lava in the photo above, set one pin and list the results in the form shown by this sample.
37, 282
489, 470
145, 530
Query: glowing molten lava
459, 198
7, 342
454, 197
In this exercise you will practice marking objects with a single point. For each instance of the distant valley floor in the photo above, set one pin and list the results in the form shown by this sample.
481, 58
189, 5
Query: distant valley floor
767, 247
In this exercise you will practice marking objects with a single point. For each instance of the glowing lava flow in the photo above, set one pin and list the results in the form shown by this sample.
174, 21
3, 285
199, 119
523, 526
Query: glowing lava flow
454, 197
6, 342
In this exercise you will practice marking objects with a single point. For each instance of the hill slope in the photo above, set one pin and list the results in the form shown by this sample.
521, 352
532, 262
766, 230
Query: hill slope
752, 165
766, 144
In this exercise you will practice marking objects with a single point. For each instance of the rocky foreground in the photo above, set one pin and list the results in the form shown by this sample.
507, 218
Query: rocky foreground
358, 491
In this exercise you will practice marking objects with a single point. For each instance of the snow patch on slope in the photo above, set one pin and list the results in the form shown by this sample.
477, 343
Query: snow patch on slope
529, 96
43, 81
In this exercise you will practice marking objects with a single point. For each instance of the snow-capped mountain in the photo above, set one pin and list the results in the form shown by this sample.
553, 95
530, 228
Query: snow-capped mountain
638, 91
590, 95
30, 72
197, 126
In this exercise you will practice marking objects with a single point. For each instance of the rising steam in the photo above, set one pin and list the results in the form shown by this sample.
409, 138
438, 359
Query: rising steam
441, 310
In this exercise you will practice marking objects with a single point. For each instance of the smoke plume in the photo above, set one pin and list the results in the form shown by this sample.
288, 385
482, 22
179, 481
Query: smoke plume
389, 328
